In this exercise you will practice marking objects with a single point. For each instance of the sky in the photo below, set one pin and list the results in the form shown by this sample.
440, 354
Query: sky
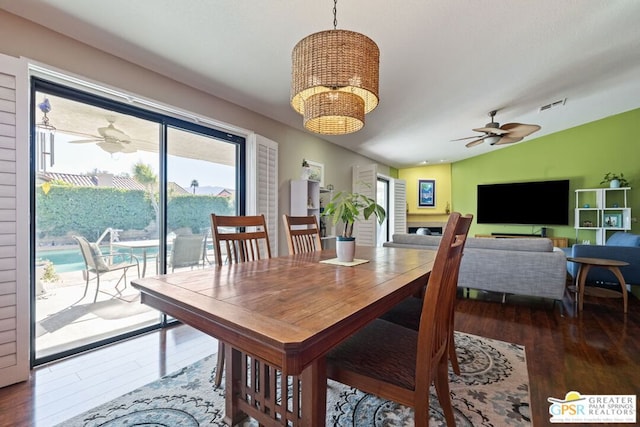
84, 158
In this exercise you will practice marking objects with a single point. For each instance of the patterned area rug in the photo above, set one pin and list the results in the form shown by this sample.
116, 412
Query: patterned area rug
493, 390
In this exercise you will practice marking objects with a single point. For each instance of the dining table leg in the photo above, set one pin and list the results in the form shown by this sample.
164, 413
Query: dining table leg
314, 393
232, 385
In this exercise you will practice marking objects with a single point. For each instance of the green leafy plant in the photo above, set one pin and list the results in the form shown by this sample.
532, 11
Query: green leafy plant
305, 164
608, 177
350, 207
49, 274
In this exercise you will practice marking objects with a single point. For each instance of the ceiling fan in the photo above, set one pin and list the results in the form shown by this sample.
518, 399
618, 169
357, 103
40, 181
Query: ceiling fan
110, 139
495, 134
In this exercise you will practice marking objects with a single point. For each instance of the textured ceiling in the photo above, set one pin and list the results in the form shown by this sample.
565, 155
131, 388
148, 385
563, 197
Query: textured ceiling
444, 63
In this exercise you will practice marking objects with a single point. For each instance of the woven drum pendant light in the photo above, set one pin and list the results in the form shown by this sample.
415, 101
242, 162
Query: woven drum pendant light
334, 80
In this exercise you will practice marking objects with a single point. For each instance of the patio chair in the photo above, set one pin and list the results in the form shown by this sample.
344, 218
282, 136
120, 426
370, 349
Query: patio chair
100, 264
241, 245
186, 251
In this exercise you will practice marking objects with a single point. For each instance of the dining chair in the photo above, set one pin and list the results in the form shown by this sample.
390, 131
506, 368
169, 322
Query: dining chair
244, 238
303, 233
399, 363
407, 314
100, 264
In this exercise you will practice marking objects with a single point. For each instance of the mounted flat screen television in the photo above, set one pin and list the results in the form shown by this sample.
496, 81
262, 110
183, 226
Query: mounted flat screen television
535, 203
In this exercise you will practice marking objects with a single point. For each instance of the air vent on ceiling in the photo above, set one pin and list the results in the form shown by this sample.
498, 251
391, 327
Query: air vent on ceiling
552, 105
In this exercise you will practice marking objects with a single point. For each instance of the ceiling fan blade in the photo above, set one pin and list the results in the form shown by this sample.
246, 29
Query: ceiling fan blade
519, 130
507, 139
84, 141
128, 148
474, 143
468, 137
495, 131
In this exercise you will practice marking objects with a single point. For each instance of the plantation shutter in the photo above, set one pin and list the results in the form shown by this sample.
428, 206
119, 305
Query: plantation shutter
14, 228
262, 183
397, 206
365, 181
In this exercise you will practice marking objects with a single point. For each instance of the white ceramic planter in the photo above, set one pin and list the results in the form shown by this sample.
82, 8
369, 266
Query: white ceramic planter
345, 248
614, 183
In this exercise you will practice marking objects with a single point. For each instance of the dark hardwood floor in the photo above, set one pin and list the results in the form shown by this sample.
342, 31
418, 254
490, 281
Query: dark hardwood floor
596, 352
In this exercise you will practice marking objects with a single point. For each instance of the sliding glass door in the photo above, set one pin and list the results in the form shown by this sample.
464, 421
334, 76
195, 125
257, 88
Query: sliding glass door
113, 188
202, 179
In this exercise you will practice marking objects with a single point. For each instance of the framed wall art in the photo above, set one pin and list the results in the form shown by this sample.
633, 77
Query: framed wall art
426, 193
613, 220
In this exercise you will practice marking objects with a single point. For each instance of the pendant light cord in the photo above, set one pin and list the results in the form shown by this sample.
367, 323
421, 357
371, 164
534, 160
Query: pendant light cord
335, 13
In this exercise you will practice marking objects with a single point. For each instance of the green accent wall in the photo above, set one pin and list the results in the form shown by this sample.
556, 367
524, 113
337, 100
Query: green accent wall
582, 154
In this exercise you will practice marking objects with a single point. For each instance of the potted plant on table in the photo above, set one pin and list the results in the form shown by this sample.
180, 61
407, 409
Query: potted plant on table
347, 208
614, 180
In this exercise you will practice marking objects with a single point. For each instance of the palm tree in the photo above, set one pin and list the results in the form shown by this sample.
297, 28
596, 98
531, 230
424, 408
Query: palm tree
194, 185
144, 175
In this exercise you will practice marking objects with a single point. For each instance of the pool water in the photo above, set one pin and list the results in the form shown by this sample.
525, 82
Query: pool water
68, 260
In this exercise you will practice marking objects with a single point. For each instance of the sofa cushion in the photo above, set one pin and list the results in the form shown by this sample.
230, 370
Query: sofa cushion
531, 245
432, 242
623, 239
417, 239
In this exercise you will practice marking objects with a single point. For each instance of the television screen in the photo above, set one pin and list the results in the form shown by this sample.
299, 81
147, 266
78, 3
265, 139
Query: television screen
536, 203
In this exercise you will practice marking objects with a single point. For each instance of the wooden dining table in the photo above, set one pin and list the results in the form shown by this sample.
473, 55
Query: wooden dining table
280, 316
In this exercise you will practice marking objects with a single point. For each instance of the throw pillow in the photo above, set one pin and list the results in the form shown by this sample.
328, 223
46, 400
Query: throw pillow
623, 239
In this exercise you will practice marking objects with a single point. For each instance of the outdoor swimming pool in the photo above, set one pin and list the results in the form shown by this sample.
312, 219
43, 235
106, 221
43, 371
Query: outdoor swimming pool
68, 260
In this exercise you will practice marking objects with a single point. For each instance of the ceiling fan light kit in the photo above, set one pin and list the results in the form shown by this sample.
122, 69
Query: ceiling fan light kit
334, 80
495, 134
111, 139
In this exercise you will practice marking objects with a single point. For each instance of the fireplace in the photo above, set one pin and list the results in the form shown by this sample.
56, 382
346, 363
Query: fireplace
432, 230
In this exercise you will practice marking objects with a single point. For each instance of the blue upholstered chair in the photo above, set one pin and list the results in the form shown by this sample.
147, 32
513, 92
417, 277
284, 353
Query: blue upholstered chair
620, 246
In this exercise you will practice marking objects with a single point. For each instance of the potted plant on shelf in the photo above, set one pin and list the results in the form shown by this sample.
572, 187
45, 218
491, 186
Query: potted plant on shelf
305, 172
348, 208
615, 180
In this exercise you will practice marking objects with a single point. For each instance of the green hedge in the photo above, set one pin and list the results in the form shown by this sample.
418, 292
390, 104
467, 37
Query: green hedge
88, 211
193, 211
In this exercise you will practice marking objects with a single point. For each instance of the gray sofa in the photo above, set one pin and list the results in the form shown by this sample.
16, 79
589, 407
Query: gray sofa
531, 267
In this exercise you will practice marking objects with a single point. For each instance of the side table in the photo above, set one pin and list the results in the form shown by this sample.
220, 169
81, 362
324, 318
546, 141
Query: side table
585, 265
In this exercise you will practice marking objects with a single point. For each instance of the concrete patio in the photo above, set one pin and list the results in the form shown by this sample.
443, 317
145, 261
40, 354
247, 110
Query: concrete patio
65, 320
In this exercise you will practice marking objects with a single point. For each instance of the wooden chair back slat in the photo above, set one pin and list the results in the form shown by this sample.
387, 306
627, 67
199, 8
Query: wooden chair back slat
303, 233
244, 238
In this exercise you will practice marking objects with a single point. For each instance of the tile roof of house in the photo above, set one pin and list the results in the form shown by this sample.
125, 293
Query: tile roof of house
108, 180
125, 183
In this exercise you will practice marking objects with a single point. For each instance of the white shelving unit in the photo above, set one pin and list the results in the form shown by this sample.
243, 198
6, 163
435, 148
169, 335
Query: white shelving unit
602, 211
307, 198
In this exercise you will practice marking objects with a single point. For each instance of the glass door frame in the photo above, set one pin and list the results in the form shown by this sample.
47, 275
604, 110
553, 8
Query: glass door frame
38, 84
